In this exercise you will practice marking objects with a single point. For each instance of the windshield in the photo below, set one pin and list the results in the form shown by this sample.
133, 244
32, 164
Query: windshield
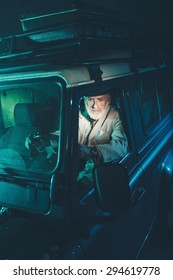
30, 127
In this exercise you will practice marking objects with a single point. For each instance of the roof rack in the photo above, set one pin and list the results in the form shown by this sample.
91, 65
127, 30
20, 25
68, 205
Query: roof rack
77, 33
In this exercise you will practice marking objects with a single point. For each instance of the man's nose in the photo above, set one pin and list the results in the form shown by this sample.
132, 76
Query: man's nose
93, 104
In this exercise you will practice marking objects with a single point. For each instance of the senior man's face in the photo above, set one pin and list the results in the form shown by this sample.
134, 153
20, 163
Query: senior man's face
97, 106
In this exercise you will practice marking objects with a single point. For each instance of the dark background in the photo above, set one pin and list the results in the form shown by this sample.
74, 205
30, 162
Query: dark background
156, 14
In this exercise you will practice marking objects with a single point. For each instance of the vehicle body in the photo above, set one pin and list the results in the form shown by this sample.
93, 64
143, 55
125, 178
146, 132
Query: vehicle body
82, 224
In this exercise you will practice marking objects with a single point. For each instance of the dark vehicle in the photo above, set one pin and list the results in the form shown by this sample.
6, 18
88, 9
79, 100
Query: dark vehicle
44, 74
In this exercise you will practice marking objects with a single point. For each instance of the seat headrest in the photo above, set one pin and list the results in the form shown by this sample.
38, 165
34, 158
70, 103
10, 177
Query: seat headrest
26, 114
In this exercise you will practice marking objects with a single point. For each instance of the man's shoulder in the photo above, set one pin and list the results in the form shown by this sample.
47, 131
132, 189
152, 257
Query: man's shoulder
113, 113
82, 117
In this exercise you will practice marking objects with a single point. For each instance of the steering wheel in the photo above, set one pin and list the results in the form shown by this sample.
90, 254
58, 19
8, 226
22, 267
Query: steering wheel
37, 143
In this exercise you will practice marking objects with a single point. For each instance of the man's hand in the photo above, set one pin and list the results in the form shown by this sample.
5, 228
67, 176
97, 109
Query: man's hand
84, 152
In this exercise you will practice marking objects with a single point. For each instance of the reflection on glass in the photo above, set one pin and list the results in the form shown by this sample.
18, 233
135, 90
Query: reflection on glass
29, 117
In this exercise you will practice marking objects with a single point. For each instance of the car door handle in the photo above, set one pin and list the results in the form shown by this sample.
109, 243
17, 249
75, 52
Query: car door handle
138, 194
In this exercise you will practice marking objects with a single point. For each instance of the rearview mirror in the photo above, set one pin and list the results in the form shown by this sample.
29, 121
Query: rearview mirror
112, 187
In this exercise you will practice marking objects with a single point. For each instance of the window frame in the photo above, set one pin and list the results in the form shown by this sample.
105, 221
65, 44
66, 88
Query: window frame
123, 86
32, 176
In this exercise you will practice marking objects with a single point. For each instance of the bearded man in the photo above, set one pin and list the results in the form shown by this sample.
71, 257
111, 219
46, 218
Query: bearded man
101, 135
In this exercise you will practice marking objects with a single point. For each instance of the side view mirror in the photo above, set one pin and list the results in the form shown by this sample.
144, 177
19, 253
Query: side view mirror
112, 187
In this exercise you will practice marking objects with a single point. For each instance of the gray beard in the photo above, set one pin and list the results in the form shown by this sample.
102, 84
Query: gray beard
99, 115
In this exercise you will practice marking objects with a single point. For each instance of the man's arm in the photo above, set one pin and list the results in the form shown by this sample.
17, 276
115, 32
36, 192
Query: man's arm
113, 149
117, 148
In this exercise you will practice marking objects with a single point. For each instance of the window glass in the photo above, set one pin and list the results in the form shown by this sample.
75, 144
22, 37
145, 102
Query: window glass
163, 93
148, 102
30, 127
101, 135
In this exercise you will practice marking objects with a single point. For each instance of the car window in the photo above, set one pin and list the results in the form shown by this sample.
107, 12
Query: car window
163, 93
30, 127
101, 134
148, 102
154, 99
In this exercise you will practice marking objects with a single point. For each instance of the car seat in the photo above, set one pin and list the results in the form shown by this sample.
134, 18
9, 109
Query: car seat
26, 118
